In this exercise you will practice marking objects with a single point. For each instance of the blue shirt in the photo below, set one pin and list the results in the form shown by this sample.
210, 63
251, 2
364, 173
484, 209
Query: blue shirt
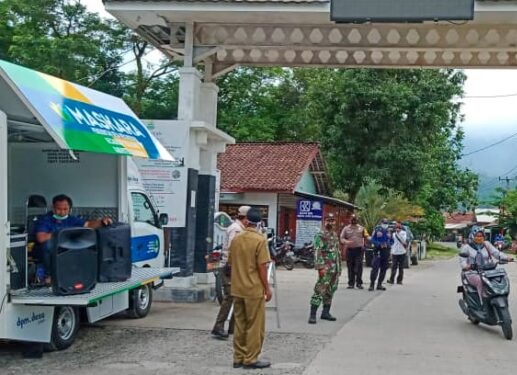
48, 224
384, 240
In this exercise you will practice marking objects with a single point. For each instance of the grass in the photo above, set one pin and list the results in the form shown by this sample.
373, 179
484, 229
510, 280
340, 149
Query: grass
437, 252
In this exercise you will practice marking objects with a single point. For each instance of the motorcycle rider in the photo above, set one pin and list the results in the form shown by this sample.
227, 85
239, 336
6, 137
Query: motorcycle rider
477, 247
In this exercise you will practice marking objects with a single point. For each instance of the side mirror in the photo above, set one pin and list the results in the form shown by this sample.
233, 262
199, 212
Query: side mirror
164, 219
464, 253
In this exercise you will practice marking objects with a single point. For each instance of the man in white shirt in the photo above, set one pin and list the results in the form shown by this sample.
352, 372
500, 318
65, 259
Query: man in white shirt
233, 230
398, 254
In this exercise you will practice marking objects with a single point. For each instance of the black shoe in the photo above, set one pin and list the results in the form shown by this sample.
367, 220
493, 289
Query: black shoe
389, 282
350, 287
399, 282
258, 364
371, 288
380, 287
220, 335
360, 286
237, 365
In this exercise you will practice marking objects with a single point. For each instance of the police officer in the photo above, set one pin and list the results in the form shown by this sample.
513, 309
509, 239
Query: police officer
328, 264
382, 242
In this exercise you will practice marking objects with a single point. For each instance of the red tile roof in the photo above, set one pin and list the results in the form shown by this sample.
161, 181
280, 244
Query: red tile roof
271, 167
459, 218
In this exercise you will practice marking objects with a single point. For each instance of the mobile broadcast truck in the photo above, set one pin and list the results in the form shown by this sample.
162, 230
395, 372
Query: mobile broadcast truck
58, 137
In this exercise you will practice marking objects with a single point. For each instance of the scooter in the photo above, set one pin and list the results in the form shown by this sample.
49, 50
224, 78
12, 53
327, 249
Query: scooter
305, 255
282, 252
493, 308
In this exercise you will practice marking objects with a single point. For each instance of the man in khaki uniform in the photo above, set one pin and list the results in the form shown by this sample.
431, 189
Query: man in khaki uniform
233, 230
249, 260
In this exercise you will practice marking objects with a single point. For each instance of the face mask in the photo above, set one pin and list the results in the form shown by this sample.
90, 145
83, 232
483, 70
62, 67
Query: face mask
329, 226
60, 218
354, 222
384, 226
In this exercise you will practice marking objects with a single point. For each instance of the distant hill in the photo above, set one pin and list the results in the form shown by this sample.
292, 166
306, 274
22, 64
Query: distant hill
492, 163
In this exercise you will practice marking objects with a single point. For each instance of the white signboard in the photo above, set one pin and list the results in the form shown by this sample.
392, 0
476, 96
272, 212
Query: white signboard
167, 181
306, 230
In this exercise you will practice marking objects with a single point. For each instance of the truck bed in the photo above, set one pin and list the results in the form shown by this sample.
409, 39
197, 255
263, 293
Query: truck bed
45, 296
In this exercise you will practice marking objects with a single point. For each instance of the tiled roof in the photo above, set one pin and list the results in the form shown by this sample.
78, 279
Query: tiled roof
460, 218
273, 167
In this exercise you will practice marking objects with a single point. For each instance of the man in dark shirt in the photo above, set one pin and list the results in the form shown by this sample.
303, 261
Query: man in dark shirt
59, 218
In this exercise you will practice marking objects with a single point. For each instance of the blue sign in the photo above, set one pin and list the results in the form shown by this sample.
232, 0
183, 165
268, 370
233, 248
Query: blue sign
309, 210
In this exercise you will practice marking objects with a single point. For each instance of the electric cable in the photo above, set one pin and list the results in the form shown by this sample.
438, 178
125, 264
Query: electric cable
490, 145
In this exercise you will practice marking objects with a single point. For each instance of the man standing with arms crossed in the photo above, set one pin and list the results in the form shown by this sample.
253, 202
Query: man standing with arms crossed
235, 228
249, 260
328, 264
353, 236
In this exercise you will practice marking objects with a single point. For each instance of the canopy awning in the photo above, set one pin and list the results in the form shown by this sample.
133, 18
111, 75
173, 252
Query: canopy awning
79, 118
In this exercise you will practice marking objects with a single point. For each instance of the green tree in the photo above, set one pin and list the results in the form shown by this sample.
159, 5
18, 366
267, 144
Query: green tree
62, 38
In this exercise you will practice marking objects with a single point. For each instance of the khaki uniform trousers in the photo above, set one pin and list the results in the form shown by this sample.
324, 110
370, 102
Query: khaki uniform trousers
250, 326
226, 306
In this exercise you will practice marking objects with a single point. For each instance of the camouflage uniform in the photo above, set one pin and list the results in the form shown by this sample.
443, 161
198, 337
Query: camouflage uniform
327, 257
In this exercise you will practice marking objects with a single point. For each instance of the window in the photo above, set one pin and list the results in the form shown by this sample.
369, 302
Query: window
142, 209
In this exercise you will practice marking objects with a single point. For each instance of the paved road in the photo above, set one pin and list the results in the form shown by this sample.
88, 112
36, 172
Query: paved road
418, 329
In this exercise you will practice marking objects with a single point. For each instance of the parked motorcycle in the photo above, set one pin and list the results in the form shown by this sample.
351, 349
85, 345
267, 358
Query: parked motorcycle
493, 308
213, 264
282, 252
305, 255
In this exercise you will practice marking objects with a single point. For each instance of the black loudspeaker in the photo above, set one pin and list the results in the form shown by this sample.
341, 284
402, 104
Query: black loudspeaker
114, 244
74, 261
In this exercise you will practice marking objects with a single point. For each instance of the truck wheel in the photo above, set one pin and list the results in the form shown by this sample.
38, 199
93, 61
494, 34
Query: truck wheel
64, 328
140, 301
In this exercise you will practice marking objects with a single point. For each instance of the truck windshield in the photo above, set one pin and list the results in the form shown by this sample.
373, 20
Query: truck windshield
142, 209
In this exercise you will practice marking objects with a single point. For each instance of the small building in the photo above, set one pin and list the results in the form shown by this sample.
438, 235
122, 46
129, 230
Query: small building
458, 224
287, 181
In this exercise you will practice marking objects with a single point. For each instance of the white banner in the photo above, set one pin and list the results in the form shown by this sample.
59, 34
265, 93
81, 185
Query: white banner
167, 181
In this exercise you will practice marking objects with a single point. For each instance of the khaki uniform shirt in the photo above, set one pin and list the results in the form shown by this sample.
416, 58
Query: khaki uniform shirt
354, 233
247, 252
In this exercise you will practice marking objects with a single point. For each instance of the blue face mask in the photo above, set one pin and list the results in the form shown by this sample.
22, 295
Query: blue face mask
60, 218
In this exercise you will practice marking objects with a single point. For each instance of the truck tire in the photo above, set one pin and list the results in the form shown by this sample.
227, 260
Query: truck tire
65, 326
140, 301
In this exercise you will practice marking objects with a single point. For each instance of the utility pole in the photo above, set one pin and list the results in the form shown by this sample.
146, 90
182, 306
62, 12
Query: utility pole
507, 180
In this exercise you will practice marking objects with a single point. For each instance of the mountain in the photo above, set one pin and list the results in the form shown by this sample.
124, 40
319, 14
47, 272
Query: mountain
493, 164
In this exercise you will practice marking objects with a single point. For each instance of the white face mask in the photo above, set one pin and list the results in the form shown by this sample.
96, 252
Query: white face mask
384, 226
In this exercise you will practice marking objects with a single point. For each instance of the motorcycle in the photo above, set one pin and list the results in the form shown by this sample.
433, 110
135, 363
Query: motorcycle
305, 255
493, 308
213, 264
282, 252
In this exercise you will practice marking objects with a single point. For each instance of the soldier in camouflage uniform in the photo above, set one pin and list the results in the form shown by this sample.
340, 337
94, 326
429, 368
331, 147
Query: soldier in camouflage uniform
328, 263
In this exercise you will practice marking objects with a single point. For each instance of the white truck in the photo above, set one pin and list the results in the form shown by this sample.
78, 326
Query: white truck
58, 137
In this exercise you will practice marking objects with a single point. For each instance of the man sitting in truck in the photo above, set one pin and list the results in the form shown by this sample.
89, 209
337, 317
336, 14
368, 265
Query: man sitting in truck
58, 218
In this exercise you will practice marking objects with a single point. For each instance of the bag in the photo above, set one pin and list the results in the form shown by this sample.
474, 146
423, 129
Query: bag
404, 245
